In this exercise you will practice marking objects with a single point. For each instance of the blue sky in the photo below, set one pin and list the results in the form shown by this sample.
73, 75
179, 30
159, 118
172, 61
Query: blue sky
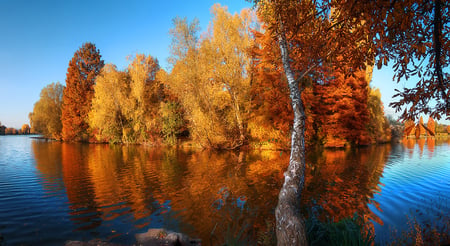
38, 38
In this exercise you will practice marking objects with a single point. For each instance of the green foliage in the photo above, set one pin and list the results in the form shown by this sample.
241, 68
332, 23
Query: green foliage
172, 121
46, 115
349, 231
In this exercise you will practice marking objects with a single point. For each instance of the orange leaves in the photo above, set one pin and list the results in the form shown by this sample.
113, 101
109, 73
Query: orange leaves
79, 91
342, 107
339, 108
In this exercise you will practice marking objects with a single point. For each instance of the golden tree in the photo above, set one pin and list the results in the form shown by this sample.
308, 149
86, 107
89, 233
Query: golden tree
25, 129
210, 77
126, 103
106, 116
46, 115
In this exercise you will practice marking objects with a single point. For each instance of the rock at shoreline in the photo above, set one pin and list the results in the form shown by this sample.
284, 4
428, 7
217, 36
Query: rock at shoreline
93, 242
163, 237
153, 237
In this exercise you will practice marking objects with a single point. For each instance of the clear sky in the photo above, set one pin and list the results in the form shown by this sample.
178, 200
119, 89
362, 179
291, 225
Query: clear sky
38, 39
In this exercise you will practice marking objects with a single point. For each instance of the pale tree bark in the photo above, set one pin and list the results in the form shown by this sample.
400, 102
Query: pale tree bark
237, 112
290, 226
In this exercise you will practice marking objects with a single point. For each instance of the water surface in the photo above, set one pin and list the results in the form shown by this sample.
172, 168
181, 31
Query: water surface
51, 192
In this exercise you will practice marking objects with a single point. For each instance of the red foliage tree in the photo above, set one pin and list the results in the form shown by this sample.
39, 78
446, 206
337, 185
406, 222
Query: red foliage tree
336, 108
270, 92
79, 91
272, 108
341, 110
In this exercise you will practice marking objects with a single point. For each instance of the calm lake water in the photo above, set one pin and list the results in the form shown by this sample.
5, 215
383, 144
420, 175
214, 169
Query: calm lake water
51, 192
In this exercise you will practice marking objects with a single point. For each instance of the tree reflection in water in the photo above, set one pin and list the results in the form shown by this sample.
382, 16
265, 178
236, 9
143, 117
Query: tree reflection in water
343, 182
116, 191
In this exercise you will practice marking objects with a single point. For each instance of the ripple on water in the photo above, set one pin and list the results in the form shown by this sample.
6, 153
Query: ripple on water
415, 186
51, 192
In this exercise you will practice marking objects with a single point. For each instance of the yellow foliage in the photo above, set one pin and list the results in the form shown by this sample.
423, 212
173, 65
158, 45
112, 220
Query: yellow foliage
109, 103
210, 77
378, 127
125, 102
46, 115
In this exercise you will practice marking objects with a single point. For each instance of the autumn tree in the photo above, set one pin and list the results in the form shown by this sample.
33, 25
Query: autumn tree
46, 115
390, 29
414, 36
126, 103
341, 109
271, 111
172, 120
84, 67
378, 126
106, 117
210, 77
306, 30
11, 131
143, 101
227, 48
25, 129
185, 82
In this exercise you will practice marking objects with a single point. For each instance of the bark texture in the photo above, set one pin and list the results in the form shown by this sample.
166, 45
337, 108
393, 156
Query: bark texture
290, 226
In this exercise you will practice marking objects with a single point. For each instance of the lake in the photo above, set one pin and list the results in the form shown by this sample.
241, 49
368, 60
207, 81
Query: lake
51, 192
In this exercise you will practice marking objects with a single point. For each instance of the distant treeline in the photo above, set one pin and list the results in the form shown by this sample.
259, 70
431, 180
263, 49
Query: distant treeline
12, 131
224, 89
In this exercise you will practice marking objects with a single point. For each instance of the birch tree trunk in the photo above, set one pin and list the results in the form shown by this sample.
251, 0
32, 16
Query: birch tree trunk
290, 226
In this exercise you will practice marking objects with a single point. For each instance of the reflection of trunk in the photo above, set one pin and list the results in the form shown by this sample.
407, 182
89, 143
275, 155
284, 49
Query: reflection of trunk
290, 226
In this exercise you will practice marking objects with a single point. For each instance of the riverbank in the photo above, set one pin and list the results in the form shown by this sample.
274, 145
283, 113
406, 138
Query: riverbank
273, 145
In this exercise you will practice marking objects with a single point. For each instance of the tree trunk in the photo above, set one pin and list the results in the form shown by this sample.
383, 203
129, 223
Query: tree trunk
437, 38
290, 226
237, 112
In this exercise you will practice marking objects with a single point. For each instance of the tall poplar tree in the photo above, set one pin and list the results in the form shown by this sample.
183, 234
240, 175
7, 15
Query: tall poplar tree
84, 67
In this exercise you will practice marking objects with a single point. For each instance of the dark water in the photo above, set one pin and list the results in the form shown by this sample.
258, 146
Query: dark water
51, 192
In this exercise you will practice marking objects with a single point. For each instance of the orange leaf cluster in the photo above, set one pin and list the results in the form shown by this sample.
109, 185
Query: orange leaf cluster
79, 91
